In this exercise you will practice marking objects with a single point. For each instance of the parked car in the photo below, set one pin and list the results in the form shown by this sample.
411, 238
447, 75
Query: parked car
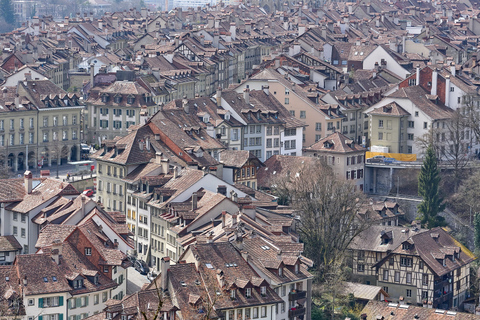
88, 192
389, 160
376, 159
141, 266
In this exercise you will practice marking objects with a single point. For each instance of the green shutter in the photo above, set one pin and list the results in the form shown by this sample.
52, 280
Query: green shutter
40, 302
60, 316
60, 301
40, 317
86, 300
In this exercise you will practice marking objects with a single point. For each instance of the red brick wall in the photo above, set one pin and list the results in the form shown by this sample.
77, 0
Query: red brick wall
11, 63
425, 81
79, 240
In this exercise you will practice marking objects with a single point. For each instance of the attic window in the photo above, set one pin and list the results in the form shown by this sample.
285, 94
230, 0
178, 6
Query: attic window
105, 98
296, 268
263, 290
248, 292
54, 279
45, 279
130, 100
405, 246
265, 247
280, 272
118, 98
208, 265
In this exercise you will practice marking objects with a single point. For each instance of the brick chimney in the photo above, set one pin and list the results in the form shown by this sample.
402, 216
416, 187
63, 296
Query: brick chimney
28, 181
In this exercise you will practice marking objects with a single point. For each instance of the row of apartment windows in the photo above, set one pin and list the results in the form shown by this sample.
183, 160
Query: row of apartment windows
21, 122
22, 232
254, 129
23, 217
354, 174
103, 124
250, 313
143, 233
354, 160
274, 129
110, 170
158, 229
276, 143
246, 172
345, 129
117, 112
31, 137
117, 189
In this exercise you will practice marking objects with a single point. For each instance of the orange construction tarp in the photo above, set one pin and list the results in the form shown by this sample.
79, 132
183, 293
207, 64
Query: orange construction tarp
396, 156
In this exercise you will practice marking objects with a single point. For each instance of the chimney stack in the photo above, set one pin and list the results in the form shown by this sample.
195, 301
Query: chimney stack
434, 82
219, 97
452, 69
224, 214
28, 181
447, 91
164, 266
92, 74
210, 237
246, 95
194, 201
185, 104
417, 82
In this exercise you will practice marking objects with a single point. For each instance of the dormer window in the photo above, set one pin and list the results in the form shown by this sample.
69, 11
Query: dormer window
124, 317
405, 246
105, 98
95, 279
78, 284
118, 98
233, 294
248, 292
263, 290
297, 268
130, 99
280, 272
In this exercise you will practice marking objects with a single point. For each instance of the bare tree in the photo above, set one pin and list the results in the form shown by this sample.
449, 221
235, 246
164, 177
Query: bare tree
327, 206
455, 153
449, 141
471, 109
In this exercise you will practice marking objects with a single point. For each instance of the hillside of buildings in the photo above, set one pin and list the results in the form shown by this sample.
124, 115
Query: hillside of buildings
239, 160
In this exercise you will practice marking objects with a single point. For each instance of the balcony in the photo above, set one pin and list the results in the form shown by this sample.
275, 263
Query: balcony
440, 298
296, 295
296, 312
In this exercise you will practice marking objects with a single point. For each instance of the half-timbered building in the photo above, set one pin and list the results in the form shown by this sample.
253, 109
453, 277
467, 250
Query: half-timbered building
424, 267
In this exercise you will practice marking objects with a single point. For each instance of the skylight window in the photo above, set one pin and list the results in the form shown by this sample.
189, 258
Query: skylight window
45, 279
208, 265
54, 278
